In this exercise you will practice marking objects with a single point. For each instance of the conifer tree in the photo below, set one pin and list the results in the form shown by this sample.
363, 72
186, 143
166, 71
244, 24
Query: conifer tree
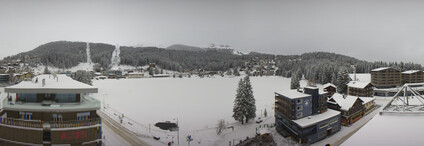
342, 80
244, 105
294, 83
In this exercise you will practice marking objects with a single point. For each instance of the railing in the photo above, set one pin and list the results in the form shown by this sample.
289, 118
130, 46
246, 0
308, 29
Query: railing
23, 123
76, 123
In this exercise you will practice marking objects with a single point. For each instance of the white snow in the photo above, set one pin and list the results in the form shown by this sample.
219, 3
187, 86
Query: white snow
116, 59
61, 82
293, 94
198, 103
411, 71
359, 85
364, 77
390, 130
380, 69
328, 84
308, 121
345, 103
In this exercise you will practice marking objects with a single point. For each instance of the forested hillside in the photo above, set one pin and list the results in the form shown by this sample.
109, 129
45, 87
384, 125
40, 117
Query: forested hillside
316, 66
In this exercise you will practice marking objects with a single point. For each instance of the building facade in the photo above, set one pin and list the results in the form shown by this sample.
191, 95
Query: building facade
369, 104
351, 107
362, 89
412, 76
385, 77
50, 110
330, 89
296, 116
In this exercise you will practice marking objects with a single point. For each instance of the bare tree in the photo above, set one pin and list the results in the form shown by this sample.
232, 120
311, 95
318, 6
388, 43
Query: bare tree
220, 126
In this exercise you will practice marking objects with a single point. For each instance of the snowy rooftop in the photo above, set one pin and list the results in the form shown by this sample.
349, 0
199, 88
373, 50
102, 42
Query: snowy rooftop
380, 69
367, 99
293, 94
308, 121
389, 130
344, 102
411, 71
355, 84
328, 85
59, 84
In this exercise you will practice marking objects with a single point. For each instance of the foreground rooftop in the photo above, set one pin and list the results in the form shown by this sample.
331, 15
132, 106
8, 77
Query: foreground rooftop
311, 120
52, 84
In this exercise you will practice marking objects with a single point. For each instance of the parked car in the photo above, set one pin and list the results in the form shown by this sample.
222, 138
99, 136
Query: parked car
259, 120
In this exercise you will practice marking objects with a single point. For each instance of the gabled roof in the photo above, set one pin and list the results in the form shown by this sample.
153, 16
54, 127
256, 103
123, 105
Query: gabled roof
411, 71
360, 85
328, 85
380, 69
367, 99
346, 102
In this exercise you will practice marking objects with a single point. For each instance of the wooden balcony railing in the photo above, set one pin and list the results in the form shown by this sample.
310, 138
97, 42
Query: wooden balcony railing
76, 123
22, 123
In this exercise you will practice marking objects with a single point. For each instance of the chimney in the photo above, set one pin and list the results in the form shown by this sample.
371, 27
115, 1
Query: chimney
44, 82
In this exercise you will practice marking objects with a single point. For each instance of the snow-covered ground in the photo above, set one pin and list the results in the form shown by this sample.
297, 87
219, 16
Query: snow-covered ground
361, 77
387, 130
198, 103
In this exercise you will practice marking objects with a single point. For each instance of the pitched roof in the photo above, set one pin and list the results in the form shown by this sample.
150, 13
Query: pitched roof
328, 85
367, 99
360, 85
345, 103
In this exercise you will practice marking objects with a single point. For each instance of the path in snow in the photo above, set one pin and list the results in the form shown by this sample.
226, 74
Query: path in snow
116, 60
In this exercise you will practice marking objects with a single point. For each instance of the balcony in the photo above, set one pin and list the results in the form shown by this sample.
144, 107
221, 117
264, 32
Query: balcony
53, 124
21, 123
72, 124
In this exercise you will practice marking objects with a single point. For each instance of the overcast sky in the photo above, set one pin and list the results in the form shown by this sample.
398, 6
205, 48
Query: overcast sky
373, 30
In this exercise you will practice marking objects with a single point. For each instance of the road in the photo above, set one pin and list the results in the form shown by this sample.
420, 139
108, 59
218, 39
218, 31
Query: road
121, 131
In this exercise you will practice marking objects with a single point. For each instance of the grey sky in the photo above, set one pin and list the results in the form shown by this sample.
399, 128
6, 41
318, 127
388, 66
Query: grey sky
388, 30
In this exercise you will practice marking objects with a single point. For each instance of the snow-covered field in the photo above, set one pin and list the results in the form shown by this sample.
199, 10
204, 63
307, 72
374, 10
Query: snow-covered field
198, 103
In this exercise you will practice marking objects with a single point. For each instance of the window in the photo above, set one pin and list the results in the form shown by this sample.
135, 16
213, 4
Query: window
299, 101
57, 117
83, 116
334, 121
25, 115
63, 98
299, 115
323, 125
300, 107
25, 97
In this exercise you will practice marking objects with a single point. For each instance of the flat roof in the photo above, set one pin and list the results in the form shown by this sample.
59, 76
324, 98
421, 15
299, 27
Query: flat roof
59, 84
293, 94
311, 120
411, 71
87, 104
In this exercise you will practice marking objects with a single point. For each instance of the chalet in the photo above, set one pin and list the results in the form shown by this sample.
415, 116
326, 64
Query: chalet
303, 117
385, 77
351, 107
330, 89
363, 89
369, 104
412, 76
